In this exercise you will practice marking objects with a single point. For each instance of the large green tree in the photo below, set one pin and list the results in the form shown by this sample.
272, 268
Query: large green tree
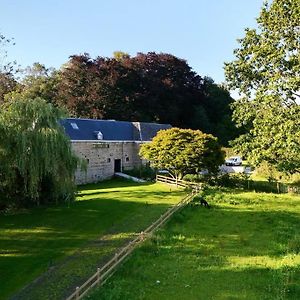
218, 112
183, 151
266, 73
39, 82
36, 161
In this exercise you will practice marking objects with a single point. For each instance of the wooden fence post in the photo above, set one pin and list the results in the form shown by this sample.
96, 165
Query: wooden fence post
77, 292
98, 274
119, 257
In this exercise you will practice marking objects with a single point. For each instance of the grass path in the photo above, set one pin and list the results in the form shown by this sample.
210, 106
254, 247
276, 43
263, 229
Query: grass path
65, 244
246, 247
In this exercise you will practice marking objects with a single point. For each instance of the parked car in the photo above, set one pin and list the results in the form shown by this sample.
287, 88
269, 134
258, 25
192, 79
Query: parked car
233, 161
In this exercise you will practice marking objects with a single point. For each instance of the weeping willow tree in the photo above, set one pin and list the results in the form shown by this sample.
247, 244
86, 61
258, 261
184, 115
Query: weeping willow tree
37, 164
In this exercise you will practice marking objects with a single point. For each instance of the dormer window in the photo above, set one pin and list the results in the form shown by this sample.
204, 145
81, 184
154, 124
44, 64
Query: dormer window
99, 135
74, 126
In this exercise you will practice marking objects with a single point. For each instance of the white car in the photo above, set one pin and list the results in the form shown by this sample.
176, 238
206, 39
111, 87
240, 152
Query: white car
233, 161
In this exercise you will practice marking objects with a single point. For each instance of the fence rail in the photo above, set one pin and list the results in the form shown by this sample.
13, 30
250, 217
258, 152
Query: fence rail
178, 182
104, 273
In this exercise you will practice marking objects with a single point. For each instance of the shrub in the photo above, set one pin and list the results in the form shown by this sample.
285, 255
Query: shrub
144, 172
193, 178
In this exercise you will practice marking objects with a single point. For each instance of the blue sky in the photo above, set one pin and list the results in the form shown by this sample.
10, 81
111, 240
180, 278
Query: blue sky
203, 32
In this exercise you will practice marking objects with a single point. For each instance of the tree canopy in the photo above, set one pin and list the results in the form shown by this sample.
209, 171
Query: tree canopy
183, 151
38, 82
37, 164
266, 72
147, 87
7, 81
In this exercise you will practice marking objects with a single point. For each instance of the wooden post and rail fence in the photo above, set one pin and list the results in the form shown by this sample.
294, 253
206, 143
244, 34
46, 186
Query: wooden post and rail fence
178, 182
104, 273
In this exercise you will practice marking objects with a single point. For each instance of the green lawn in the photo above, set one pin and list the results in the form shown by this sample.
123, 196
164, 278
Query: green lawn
247, 246
69, 242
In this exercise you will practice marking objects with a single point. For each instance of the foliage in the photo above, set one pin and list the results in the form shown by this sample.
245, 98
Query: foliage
148, 87
266, 73
7, 69
5, 66
36, 161
218, 112
246, 246
144, 172
39, 82
273, 182
243, 181
229, 152
7, 85
295, 179
72, 239
269, 172
194, 178
120, 55
183, 151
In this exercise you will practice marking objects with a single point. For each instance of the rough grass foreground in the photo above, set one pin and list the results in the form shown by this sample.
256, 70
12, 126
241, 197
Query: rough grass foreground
66, 244
247, 246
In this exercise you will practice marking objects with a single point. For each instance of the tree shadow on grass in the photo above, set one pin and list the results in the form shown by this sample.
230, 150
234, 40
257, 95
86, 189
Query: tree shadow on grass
112, 184
39, 241
135, 194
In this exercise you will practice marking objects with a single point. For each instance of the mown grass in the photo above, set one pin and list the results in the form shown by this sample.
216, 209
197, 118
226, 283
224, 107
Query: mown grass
247, 246
68, 242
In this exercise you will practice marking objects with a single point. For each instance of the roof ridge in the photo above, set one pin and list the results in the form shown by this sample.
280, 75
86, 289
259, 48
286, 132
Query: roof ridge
112, 120
96, 120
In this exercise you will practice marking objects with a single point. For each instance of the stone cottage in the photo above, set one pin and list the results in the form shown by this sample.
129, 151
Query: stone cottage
108, 146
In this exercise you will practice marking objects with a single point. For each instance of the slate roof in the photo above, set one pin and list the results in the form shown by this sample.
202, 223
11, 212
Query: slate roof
149, 130
111, 130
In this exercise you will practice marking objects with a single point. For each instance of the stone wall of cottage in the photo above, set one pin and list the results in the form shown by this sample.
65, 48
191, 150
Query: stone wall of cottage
100, 157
